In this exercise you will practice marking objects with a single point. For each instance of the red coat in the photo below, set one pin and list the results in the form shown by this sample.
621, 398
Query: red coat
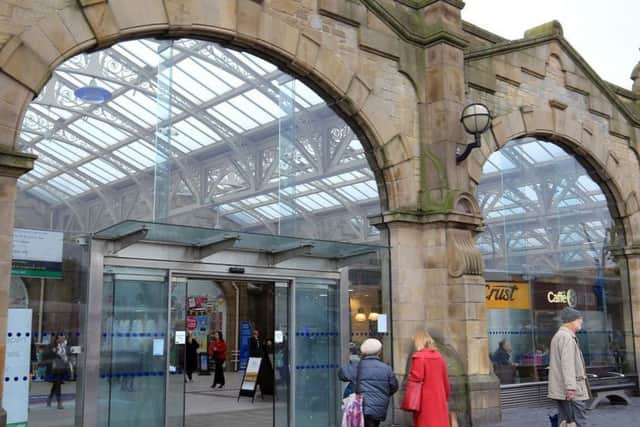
218, 350
428, 367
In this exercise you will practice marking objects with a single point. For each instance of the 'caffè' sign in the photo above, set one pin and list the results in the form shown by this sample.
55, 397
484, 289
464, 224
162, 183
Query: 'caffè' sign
508, 296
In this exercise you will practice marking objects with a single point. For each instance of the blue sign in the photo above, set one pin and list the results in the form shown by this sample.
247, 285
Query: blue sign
245, 336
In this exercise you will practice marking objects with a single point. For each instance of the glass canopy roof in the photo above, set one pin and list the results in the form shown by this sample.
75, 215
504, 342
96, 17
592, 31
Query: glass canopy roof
256, 242
224, 125
542, 210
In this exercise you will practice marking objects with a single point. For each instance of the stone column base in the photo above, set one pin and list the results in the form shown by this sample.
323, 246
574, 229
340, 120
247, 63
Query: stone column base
484, 399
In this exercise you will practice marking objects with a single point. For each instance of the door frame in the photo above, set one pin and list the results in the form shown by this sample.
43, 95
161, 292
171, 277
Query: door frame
274, 280
100, 257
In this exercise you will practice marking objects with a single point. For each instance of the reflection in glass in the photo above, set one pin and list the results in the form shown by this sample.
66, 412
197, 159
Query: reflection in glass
548, 243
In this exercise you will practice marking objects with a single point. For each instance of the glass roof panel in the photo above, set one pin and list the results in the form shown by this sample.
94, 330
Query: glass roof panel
62, 151
265, 103
249, 61
68, 184
233, 114
143, 50
199, 71
251, 109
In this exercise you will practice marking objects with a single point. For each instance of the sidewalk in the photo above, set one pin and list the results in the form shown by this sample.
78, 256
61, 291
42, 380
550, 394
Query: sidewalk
605, 415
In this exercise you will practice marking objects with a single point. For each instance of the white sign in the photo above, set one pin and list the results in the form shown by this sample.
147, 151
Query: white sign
181, 337
278, 337
382, 323
15, 398
251, 374
37, 245
158, 347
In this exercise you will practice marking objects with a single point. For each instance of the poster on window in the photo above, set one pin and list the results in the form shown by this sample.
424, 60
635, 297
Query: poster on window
37, 253
15, 399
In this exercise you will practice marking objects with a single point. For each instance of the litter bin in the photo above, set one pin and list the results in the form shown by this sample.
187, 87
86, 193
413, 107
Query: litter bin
204, 363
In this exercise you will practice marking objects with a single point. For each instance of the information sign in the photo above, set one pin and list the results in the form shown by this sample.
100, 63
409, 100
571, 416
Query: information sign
37, 253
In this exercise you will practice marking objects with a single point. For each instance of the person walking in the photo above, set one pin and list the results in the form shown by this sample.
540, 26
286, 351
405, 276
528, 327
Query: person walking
57, 363
218, 350
568, 384
255, 346
429, 374
377, 383
191, 355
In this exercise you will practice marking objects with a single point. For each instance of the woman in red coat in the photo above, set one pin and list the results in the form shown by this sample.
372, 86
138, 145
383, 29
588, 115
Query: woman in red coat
218, 350
429, 368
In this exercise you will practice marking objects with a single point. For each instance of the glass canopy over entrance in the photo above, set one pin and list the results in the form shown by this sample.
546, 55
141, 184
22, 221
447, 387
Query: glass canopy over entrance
138, 231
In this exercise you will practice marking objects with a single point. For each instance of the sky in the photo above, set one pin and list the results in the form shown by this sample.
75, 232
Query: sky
605, 33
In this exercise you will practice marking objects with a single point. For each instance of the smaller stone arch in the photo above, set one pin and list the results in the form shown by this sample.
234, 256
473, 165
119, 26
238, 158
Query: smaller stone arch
585, 140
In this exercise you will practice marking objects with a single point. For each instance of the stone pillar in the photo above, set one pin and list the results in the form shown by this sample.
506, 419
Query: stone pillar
437, 281
633, 265
437, 285
12, 165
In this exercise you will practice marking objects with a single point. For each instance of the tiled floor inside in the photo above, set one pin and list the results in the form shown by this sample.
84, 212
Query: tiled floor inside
204, 406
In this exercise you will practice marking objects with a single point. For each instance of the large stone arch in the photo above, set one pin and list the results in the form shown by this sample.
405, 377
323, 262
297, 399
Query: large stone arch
586, 140
27, 61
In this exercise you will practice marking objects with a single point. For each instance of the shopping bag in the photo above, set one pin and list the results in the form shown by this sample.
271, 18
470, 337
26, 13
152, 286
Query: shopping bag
352, 412
412, 396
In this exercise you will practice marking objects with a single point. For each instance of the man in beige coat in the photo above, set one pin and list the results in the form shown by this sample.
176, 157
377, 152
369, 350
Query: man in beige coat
568, 384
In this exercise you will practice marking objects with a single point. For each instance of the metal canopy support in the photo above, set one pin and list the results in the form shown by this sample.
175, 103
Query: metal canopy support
353, 259
206, 249
126, 240
277, 257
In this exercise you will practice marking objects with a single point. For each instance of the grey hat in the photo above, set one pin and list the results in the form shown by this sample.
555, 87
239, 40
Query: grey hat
569, 314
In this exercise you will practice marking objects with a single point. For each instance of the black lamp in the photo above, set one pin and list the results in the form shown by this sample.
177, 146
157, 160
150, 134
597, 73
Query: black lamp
476, 119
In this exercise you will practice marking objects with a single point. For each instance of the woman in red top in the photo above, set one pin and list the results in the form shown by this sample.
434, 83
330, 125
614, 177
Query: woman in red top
429, 368
218, 351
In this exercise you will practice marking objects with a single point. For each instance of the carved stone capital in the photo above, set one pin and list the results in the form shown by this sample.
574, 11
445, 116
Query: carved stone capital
464, 256
14, 163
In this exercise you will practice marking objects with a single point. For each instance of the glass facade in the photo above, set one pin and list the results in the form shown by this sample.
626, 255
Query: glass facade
550, 241
199, 135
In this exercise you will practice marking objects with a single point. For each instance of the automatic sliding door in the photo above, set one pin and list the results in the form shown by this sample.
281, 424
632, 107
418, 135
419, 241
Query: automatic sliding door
132, 370
317, 349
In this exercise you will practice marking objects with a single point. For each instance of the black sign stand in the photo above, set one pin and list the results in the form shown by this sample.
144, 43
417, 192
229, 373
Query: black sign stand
250, 392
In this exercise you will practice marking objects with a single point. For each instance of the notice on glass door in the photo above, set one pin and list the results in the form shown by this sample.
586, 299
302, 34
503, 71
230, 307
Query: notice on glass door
382, 323
158, 347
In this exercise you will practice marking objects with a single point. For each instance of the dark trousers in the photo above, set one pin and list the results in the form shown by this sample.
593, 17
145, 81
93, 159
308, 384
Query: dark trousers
218, 377
56, 389
579, 408
370, 422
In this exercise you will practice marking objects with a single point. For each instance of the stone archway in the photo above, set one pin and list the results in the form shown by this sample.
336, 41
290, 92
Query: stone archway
602, 159
27, 61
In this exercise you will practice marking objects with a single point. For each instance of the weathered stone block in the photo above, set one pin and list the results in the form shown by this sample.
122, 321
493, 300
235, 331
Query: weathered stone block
348, 11
281, 35
379, 42
249, 15
140, 13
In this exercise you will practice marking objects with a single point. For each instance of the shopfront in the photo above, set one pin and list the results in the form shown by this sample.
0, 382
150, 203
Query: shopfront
551, 240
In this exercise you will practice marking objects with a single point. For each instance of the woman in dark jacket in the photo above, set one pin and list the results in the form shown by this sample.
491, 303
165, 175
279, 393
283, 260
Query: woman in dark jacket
57, 362
218, 350
191, 354
377, 382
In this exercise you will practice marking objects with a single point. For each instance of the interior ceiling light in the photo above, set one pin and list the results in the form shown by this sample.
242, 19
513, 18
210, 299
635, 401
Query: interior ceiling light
93, 94
373, 316
360, 316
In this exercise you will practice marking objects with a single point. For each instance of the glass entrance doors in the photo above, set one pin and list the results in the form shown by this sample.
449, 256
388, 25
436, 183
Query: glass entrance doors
215, 326
159, 354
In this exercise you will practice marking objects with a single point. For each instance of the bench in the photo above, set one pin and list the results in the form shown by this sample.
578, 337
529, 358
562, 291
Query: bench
613, 388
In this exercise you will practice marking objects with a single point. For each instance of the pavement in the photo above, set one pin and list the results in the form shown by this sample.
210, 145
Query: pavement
605, 415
